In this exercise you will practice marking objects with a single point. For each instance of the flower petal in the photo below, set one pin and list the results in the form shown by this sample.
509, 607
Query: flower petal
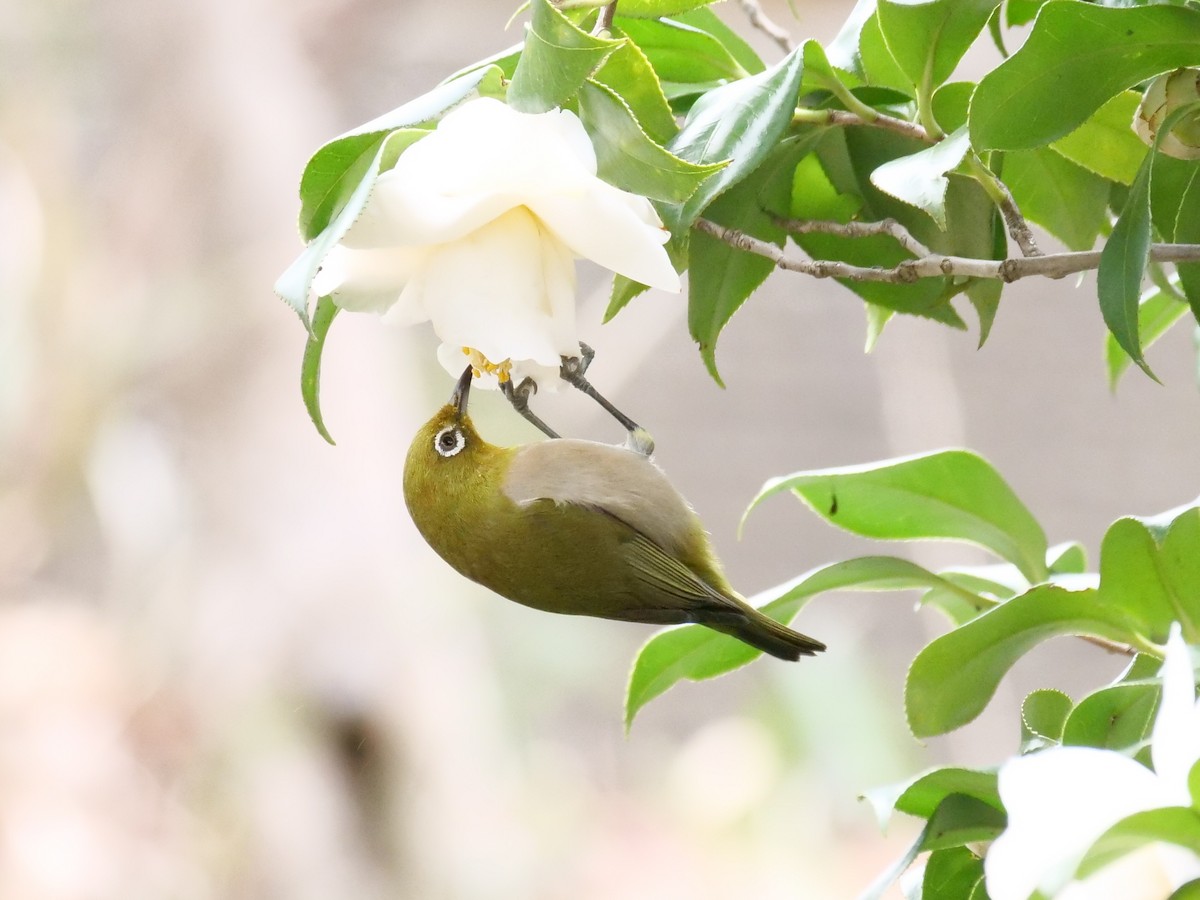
401, 211
502, 290
483, 159
1059, 802
1175, 741
618, 230
370, 280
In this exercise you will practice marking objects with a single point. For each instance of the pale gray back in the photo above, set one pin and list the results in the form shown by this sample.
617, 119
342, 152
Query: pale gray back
624, 483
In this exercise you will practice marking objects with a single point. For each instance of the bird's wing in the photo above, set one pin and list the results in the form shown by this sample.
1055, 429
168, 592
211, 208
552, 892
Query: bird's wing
617, 481
673, 586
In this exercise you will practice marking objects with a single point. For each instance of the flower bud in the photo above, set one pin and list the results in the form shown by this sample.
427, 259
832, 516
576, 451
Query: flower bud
1166, 94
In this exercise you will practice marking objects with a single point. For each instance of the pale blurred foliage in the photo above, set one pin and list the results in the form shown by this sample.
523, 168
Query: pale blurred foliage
228, 666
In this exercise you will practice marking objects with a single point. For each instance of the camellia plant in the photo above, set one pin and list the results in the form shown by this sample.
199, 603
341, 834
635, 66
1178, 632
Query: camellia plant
648, 137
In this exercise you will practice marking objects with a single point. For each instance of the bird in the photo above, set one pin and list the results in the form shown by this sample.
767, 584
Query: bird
575, 527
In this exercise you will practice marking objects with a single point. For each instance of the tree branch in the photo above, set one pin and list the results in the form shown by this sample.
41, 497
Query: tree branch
763, 23
889, 227
931, 265
1003, 198
996, 189
843, 118
604, 19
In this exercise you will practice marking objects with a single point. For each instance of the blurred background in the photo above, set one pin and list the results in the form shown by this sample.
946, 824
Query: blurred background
229, 668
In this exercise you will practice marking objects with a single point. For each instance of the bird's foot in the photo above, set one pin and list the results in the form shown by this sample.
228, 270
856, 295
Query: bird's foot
519, 398
573, 372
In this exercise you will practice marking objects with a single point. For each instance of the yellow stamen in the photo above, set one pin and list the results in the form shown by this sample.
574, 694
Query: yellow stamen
481, 364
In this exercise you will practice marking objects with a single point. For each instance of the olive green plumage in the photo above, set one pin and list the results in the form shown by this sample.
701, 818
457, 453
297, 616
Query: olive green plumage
574, 527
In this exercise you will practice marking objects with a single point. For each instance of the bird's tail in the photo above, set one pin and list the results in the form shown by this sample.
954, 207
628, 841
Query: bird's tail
759, 630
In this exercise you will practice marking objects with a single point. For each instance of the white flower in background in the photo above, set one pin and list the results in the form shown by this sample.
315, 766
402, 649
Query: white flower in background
477, 229
1061, 800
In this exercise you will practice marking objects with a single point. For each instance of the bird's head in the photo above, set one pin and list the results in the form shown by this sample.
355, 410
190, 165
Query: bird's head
448, 443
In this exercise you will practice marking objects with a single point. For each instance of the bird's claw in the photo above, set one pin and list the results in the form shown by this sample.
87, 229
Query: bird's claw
574, 368
519, 396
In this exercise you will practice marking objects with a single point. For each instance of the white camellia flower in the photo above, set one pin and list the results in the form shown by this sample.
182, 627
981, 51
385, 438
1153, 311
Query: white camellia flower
477, 229
1061, 800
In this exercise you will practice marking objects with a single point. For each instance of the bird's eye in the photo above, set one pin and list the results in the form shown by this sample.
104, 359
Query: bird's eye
448, 441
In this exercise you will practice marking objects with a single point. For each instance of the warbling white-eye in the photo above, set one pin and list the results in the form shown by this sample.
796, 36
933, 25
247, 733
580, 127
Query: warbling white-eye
576, 527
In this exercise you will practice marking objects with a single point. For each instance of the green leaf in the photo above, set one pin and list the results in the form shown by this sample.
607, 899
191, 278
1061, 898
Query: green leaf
998, 581
1021, 12
627, 158
1175, 211
826, 187
653, 9
1187, 231
976, 590
953, 605
945, 495
295, 284
1153, 584
1077, 57
928, 39
950, 104
843, 51
958, 820
742, 122
1065, 199
557, 59
629, 74
920, 178
337, 169
952, 679
1122, 265
1043, 714
1143, 667
310, 367
623, 290
816, 198
707, 20
695, 653
879, 66
961, 820
1117, 717
1158, 310
1106, 143
1067, 559
877, 317
920, 796
850, 156
682, 54
951, 874
1171, 824
721, 277
505, 60
819, 73
996, 32
984, 294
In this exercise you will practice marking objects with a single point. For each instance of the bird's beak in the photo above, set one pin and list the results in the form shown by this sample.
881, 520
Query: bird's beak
461, 391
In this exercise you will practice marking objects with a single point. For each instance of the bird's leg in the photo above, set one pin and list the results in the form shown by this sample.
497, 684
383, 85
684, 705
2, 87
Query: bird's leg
573, 371
519, 398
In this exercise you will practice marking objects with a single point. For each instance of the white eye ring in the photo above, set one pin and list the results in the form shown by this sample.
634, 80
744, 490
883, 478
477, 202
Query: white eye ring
448, 448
